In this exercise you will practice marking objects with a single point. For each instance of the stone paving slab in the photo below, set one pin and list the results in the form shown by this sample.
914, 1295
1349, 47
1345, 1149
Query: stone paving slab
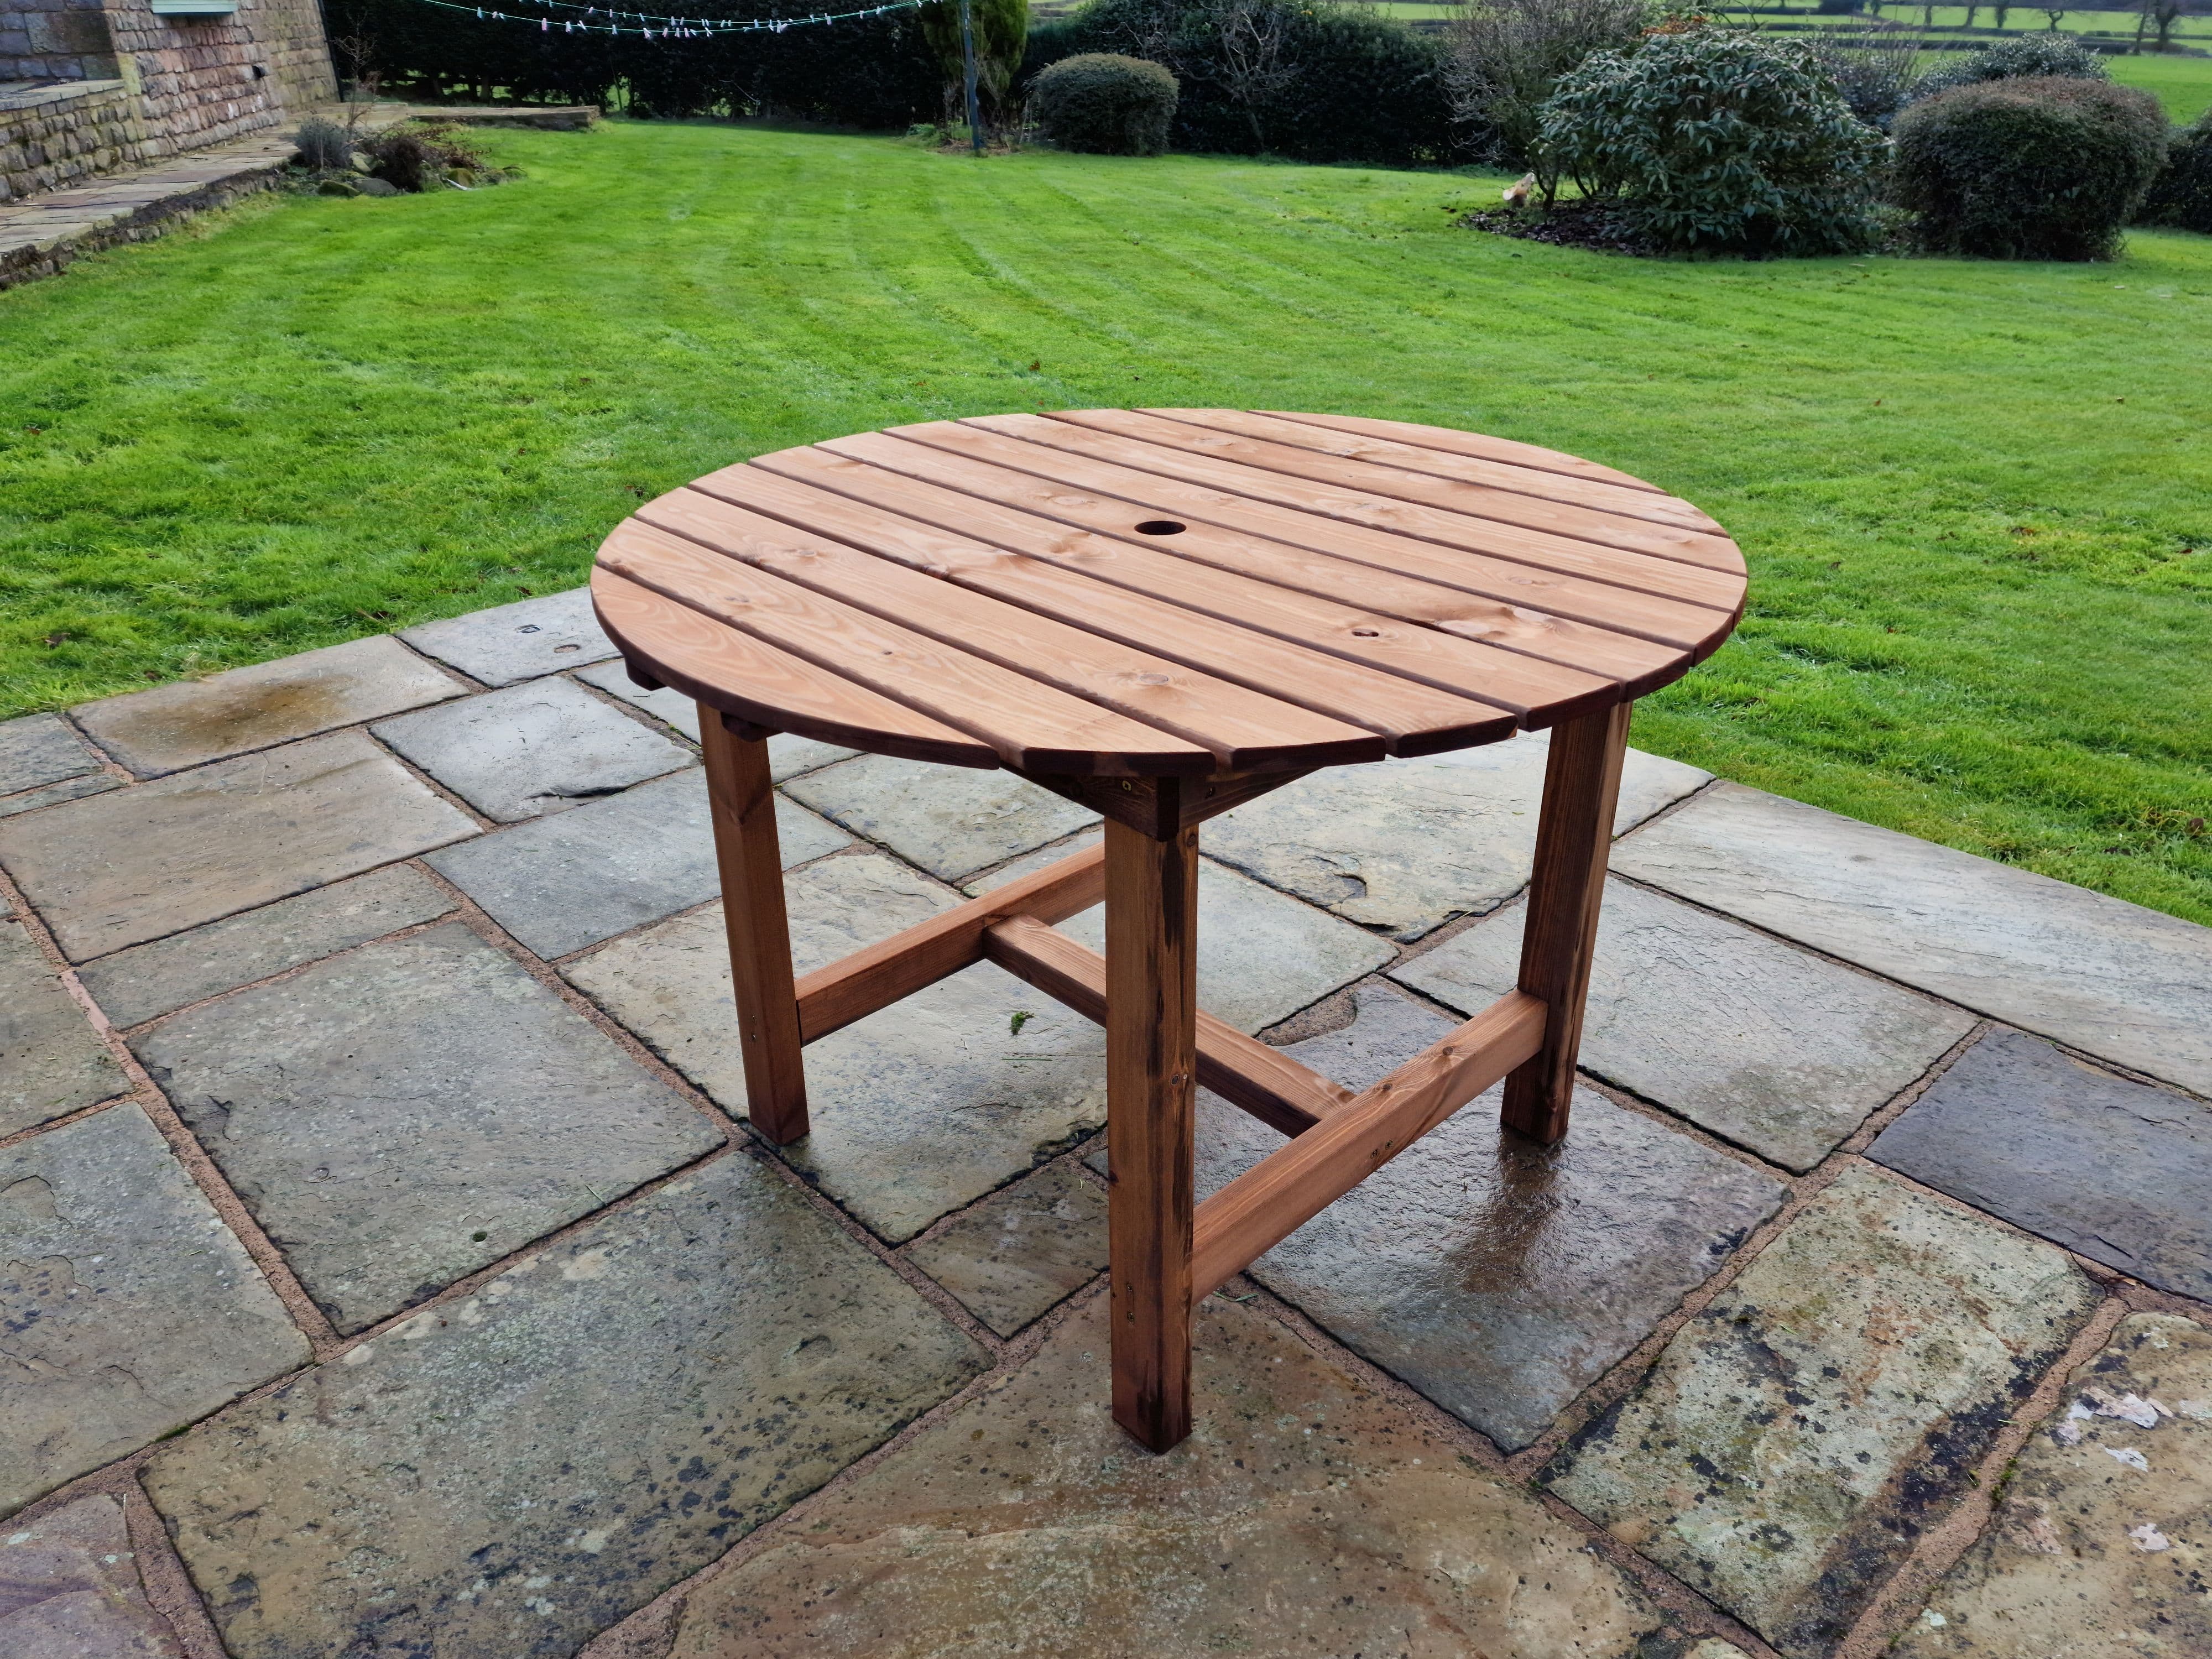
1023, 1250
119, 869
559, 884
402, 1116
520, 641
787, 755
511, 1473
2099, 1545
1262, 956
670, 984
134, 986
51, 1061
543, 746
950, 820
190, 722
129, 1308
69, 1589
1764, 1044
1404, 846
2116, 1171
1499, 1278
1798, 1435
1306, 1515
2109, 978
95, 783
41, 748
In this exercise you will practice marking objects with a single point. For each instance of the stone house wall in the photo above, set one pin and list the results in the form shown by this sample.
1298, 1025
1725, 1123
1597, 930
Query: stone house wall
187, 81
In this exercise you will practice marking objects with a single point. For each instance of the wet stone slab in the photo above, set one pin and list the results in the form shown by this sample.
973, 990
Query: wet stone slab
2097, 1546
1406, 844
1499, 1278
541, 747
2108, 977
2117, 1170
69, 1589
1765, 1045
520, 641
403, 1116
97, 783
191, 722
1306, 1515
51, 1061
119, 869
562, 882
133, 986
950, 820
38, 750
1797, 1437
787, 755
513, 1472
130, 1309
1023, 1250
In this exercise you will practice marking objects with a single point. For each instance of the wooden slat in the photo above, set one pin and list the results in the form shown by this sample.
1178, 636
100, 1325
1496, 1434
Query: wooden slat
1028, 723
1024, 513
1697, 628
1287, 1188
1151, 1077
1642, 573
1369, 478
1444, 464
697, 656
1129, 593
1244, 730
1559, 934
1243, 1070
830, 999
1454, 441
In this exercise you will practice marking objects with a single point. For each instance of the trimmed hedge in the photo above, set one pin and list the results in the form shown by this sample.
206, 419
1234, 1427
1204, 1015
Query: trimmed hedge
2030, 58
2181, 197
2028, 169
1346, 86
1104, 104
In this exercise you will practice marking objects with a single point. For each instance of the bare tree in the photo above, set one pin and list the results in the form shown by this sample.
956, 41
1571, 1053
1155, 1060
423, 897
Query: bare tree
2056, 14
1254, 71
2161, 15
1873, 65
1508, 55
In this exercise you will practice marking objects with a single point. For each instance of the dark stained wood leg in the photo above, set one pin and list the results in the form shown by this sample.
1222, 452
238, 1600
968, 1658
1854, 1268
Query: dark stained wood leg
1151, 1073
1582, 781
743, 810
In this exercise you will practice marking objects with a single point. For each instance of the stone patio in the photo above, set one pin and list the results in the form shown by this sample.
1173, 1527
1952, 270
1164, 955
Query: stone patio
388, 1266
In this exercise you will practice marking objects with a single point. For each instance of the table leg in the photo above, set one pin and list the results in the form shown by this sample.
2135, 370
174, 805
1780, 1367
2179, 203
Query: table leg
1152, 1071
1582, 781
743, 803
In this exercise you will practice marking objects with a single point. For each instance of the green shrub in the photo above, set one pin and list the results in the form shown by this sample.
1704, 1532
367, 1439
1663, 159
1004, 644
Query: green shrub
2181, 196
1001, 31
2030, 58
1309, 82
2028, 169
323, 145
1105, 104
1718, 141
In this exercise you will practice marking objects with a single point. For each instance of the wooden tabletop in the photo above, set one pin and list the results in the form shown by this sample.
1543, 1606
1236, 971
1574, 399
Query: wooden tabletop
1103, 593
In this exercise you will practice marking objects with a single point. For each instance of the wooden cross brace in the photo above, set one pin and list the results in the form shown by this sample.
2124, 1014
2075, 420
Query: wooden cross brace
1167, 1252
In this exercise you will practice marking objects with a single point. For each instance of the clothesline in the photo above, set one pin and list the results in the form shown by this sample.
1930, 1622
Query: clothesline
602, 19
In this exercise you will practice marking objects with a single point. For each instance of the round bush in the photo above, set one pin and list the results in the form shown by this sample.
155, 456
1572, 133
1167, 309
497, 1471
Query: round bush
1106, 104
2032, 56
323, 145
2032, 169
2181, 197
1718, 141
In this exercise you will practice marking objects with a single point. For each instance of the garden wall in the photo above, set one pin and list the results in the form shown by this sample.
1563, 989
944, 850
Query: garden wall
57, 135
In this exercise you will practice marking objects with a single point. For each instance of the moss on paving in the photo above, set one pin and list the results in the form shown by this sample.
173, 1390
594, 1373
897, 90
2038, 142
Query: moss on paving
1977, 498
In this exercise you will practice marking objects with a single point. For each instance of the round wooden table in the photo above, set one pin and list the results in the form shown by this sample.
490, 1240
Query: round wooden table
1161, 614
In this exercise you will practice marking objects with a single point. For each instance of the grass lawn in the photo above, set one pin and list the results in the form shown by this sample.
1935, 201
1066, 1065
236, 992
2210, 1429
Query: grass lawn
1977, 498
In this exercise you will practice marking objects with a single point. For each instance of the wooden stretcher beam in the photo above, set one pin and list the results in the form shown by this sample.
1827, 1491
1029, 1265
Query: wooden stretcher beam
1266, 1082
1287, 1188
832, 998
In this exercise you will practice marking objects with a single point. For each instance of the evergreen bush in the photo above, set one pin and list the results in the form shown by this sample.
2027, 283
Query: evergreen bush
2181, 196
2031, 56
2028, 169
1104, 103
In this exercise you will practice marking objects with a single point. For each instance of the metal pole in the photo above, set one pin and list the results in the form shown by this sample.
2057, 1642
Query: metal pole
968, 59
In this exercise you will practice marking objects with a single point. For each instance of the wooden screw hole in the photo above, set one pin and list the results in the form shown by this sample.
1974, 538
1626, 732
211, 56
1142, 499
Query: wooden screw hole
1160, 527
